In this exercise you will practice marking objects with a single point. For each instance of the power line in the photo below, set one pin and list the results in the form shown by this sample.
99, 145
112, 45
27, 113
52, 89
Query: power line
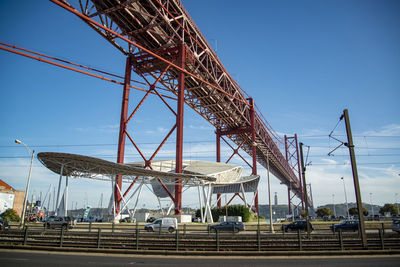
359, 147
342, 135
362, 163
170, 142
313, 164
88, 145
369, 155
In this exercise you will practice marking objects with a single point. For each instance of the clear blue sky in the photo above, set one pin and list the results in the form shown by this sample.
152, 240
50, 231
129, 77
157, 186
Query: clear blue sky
302, 61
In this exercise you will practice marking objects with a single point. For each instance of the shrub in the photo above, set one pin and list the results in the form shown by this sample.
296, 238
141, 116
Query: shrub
10, 215
234, 210
392, 208
325, 211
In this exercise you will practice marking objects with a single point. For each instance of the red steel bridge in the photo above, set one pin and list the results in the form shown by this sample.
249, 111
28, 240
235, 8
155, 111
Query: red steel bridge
165, 48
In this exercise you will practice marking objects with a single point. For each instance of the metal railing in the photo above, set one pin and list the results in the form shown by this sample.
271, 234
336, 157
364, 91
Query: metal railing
192, 238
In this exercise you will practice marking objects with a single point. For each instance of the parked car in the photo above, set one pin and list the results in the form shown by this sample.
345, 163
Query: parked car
4, 224
297, 225
227, 226
151, 219
348, 225
58, 222
196, 219
396, 226
127, 220
167, 224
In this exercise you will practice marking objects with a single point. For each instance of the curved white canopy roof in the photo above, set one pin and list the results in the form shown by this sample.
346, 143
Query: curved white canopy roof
84, 166
223, 177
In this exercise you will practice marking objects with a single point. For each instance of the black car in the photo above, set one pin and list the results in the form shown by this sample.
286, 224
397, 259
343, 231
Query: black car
297, 225
396, 226
348, 225
227, 226
4, 224
151, 219
127, 220
58, 221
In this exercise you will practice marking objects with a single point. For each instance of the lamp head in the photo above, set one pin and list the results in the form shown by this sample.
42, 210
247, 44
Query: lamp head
18, 141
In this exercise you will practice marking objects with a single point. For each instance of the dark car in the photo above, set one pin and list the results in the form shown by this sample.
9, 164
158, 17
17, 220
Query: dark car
396, 226
151, 219
64, 222
127, 220
297, 225
196, 219
4, 224
227, 226
349, 225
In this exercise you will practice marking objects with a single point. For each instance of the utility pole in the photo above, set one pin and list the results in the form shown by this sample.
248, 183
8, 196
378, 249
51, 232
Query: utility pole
303, 174
350, 145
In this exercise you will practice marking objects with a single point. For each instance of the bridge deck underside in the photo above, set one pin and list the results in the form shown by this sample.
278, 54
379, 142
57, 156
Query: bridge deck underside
163, 25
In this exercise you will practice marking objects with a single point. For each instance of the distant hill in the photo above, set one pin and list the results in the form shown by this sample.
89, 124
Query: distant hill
281, 211
341, 209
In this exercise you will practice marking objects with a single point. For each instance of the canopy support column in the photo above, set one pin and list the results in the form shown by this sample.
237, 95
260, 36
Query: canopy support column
66, 197
59, 187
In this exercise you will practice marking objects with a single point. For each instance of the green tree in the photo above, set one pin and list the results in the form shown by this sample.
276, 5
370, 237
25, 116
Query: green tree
198, 214
354, 211
392, 208
238, 210
234, 210
303, 213
324, 211
10, 215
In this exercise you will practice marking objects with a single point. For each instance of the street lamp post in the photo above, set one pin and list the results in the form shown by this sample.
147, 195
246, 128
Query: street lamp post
271, 223
345, 197
372, 207
28, 182
334, 207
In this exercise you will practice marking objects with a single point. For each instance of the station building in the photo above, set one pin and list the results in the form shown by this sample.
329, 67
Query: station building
10, 198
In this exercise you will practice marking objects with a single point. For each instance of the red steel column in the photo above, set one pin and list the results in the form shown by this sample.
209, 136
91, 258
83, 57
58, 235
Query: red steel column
179, 131
254, 146
122, 129
287, 159
218, 160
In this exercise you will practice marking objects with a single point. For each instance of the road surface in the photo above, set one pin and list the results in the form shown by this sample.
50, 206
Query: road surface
32, 258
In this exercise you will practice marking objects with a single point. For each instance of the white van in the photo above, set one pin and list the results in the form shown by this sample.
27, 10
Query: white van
167, 224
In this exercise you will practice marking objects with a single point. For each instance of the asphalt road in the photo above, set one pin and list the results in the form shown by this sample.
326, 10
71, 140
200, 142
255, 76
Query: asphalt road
23, 258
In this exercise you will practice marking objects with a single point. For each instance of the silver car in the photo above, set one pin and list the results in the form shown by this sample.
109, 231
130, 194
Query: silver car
167, 224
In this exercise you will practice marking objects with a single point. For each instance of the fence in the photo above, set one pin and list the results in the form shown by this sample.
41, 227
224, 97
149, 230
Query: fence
188, 239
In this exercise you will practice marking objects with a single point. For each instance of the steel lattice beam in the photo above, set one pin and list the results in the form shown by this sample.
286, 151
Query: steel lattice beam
150, 28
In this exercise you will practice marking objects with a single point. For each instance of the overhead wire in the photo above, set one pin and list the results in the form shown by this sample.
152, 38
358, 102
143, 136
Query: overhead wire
314, 164
77, 65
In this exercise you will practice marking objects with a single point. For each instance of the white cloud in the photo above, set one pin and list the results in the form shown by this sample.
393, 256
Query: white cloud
388, 130
111, 128
201, 127
159, 130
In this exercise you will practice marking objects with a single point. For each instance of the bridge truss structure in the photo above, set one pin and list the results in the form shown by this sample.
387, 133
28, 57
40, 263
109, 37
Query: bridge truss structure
164, 47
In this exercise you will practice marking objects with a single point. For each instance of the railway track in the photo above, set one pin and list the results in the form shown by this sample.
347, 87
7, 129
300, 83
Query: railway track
140, 240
